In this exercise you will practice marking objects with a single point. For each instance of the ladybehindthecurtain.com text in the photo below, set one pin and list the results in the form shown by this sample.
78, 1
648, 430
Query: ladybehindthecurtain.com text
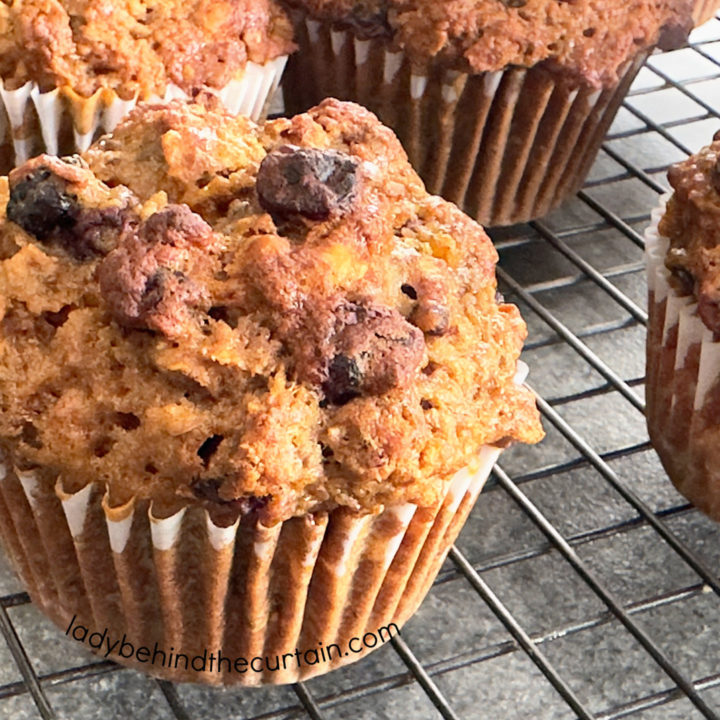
215, 661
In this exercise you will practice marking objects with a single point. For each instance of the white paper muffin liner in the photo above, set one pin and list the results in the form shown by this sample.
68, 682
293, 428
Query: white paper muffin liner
61, 121
505, 146
682, 389
183, 584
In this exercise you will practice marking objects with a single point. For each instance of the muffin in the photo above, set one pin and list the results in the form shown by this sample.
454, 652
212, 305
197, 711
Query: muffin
501, 104
69, 70
252, 380
683, 352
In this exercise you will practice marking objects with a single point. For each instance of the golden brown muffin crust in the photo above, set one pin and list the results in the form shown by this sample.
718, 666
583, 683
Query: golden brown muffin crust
137, 46
251, 349
692, 223
588, 39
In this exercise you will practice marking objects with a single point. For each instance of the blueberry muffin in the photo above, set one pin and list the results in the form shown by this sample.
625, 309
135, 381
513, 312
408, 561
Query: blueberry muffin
71, 69
252, 379
501, 104
683, 245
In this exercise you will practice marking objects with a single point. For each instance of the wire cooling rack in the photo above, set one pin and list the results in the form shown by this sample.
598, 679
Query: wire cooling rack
583, 585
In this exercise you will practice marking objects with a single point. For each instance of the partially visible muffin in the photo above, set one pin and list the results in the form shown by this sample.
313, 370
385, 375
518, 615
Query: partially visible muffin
266, 351
683, 394
79, 66
137, 48
501, 104
692, 225
585, 40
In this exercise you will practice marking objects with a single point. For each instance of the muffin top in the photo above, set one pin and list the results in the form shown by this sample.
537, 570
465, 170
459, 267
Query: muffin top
587, 40
137, 46
692, 224
275, 319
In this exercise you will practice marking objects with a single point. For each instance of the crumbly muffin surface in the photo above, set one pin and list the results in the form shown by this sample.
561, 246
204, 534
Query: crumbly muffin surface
274, 319
137, 46
692, 223
588, 39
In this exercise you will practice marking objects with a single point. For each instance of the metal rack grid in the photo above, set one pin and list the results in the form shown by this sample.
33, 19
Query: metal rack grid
583, 585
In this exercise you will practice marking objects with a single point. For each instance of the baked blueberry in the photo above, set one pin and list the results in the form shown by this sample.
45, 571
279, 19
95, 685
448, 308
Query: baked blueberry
307, 181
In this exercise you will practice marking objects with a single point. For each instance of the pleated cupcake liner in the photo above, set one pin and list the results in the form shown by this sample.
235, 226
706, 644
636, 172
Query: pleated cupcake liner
506, 146
61, 121
703, 10
682, 389
278, 604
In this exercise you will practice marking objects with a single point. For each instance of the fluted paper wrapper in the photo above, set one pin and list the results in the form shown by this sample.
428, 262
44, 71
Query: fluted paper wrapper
505, 146
682, 388
62, 122
304, 596
703, 10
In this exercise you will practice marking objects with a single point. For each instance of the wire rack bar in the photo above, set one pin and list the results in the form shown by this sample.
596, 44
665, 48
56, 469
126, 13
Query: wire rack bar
308, 701
68, 675
567, 281
613, 219
656, 699
424, 679
590, 331
173, 700
700, 51
15, 599
26, 669
573, 463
